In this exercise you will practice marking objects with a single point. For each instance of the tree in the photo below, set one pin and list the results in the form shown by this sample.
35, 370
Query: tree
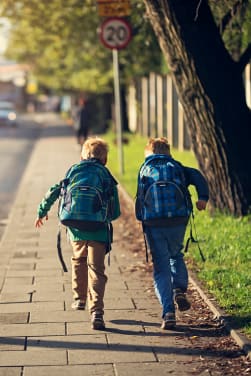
59, 40
210, 86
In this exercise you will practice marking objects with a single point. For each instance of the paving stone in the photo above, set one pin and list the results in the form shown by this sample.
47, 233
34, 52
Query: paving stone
45, 296
43, 287
4, 265
89, 370
143, 303
60, 316
11, 289
84, 327
115, 294
125, 303
159, 369
18, 281
25, 254
28, 234
120, 354
1, 281
12, 343
36, 273
27, 243
182, 351
138, 285
48, 281
43, 264
134, 317
118, 285
10, 371
31, 307
22, 261
14, 298
7, 244
94, 341
43, 329
27, 358
129, 339
21, 266
81, 327
14, 318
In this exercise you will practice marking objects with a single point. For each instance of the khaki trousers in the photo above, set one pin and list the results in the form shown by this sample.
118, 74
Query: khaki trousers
88, 273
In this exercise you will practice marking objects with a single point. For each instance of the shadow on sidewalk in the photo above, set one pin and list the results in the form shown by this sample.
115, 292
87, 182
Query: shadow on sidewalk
198, 350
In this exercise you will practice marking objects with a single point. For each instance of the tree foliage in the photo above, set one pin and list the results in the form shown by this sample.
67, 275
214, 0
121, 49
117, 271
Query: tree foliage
59, 39
233, 19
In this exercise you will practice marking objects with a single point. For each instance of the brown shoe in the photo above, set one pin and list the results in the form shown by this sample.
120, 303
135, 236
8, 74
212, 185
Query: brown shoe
97, 321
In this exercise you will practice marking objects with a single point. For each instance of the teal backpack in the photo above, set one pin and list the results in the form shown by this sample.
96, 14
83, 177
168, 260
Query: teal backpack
86, 197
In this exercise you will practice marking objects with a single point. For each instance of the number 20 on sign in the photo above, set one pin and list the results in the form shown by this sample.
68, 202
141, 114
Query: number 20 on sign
116, 33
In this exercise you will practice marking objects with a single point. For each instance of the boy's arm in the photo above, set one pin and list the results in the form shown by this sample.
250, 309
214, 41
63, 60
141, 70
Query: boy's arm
195, 177
45, 205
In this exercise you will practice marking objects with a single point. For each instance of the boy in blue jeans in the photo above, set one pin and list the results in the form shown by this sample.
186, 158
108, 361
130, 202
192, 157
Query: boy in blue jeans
165, 238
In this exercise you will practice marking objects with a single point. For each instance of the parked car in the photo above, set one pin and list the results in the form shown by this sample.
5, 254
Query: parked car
8, 115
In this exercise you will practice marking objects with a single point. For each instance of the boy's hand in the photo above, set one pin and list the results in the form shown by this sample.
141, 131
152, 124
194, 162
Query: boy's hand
39, 221
201, 204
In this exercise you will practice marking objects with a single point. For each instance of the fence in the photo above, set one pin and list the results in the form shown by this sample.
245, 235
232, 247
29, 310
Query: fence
154, 109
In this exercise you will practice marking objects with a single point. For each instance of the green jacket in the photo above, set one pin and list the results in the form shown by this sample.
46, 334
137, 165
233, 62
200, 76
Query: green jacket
74, 234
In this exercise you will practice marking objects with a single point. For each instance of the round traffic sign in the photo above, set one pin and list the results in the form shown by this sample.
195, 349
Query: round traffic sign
116, 33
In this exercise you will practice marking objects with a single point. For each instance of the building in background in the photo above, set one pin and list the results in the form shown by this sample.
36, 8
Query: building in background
13, 82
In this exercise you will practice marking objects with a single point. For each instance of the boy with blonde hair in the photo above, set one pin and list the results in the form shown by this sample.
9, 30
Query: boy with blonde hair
89, 244
163, 205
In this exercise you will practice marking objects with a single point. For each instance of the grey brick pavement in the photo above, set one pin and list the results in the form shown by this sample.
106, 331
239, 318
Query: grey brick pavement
40, 334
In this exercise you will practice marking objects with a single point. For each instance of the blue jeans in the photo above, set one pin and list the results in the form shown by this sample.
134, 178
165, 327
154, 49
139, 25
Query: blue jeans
169, 268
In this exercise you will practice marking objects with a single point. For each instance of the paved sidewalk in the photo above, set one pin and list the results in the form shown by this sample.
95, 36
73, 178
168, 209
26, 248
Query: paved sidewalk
40, 334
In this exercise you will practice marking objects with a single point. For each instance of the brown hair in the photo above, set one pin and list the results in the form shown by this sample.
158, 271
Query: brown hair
95, 147
158, 146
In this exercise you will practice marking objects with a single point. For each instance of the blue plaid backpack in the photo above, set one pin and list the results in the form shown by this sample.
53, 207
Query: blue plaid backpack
162, 197
86, 197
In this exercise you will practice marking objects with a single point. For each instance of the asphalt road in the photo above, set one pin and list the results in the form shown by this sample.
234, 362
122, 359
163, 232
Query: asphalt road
16, 145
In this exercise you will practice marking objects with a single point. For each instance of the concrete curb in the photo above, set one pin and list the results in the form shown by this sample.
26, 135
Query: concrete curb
239, 338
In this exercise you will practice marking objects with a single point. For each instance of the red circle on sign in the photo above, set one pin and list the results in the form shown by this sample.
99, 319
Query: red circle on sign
116, 33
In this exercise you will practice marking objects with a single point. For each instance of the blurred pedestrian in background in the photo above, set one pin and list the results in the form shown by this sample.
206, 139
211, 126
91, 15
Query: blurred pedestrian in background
81, 122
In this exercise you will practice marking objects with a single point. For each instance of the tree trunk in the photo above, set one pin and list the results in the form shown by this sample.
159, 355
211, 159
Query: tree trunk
210, 87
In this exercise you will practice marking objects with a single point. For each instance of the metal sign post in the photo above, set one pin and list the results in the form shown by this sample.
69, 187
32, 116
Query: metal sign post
116, 33
118, 110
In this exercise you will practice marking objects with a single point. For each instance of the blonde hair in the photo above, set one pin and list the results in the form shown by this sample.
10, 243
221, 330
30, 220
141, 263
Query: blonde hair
158, 146
95, 147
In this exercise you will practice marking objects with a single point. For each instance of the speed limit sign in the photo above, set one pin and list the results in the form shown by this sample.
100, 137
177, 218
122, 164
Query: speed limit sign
116, 33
